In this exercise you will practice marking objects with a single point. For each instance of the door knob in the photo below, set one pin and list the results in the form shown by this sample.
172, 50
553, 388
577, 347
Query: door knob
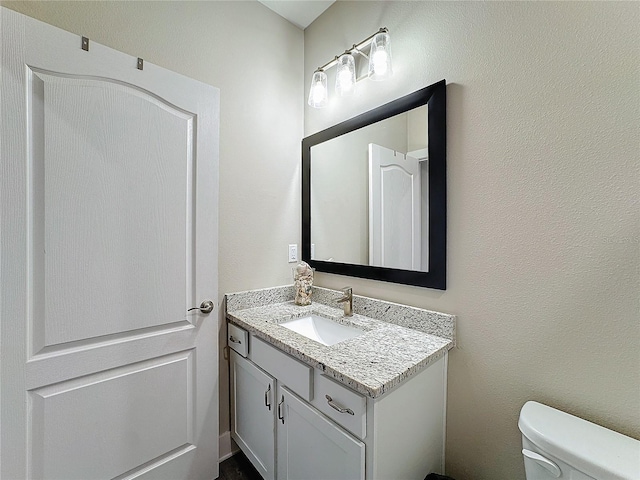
205, 307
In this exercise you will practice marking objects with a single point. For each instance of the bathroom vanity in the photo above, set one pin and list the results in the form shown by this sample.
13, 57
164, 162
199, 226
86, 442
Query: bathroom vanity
368, 407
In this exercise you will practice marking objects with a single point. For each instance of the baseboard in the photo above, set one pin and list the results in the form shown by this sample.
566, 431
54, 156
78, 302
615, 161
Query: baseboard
226, 447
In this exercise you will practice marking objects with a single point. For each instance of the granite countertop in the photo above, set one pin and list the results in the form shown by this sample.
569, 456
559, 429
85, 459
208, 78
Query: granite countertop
372, 363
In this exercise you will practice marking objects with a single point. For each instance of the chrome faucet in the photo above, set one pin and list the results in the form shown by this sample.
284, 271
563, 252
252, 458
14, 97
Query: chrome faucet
347, 300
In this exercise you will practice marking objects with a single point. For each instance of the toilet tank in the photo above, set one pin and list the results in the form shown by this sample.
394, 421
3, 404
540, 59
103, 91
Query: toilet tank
558, 445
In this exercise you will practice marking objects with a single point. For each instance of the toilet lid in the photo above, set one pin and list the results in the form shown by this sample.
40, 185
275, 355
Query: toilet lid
589, 448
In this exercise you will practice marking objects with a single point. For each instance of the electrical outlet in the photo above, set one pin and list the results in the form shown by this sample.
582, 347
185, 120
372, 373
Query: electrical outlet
313, 251
293, 252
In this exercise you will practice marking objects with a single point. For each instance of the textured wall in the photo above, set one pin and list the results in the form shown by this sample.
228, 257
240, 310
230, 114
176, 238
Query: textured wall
544, 182
261, 87
543, 115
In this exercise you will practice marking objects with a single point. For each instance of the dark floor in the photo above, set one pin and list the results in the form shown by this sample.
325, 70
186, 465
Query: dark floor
238, 467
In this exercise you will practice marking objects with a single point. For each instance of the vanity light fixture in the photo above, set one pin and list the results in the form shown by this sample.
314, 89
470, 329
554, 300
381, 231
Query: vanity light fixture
380, 68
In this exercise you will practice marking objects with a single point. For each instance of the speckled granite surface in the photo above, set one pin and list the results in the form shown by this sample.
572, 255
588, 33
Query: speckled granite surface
427, 321
257, 298
389, 351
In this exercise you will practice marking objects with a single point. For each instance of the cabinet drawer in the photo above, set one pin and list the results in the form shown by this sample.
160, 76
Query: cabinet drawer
289, 371
342, 398
238, 339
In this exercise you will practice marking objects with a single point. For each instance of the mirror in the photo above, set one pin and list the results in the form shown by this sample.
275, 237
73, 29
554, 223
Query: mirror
374, 193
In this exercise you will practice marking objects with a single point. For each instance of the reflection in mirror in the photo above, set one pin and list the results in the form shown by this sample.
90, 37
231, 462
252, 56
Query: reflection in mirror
374, 193
369, 194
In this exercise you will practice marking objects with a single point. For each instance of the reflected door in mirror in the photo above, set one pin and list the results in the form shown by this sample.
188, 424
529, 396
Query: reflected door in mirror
394, 209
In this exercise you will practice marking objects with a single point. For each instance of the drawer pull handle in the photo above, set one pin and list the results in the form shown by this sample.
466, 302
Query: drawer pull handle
233, 339
280, 416
267, 402
337, 407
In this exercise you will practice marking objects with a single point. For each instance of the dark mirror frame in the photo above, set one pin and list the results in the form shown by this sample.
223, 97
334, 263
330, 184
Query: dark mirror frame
436, 97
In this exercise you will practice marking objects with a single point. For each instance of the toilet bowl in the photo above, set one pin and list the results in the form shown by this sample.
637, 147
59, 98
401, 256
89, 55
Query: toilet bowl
558, 445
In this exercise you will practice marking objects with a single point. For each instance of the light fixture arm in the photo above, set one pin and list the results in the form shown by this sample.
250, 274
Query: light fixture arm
357, 48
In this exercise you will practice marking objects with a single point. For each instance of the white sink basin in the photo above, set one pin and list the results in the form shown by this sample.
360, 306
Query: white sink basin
322, 329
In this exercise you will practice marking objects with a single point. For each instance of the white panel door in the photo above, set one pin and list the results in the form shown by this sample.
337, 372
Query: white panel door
108, 185
394, 209
312, 447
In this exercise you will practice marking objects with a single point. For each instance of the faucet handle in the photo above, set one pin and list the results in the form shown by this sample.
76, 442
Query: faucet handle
347, 290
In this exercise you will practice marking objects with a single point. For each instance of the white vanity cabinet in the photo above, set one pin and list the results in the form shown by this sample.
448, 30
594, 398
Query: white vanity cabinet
253, 395
310, 446
300, 424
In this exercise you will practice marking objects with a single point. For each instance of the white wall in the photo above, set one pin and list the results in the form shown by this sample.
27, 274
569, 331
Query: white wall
255, 58
543, 224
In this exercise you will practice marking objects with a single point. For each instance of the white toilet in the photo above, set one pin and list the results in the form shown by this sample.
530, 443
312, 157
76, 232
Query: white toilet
558, 445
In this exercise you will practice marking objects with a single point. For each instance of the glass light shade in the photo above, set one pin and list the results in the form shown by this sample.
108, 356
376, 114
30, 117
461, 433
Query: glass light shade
318, 93
380, 57
346, 75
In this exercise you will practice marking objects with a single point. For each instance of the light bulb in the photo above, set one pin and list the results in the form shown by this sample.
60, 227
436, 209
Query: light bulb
345, 79
380, 57
346, 75
380, 62
318, 91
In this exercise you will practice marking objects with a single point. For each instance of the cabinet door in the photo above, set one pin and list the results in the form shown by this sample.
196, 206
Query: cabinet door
253, 414
312, 447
